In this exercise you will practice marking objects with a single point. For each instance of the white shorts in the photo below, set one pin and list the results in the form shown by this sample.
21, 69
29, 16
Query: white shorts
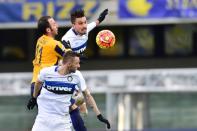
52, 123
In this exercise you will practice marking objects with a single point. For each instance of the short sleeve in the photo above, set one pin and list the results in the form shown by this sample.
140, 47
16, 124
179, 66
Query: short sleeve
59, 49
61, 45
41, 75
82, 84
64, 38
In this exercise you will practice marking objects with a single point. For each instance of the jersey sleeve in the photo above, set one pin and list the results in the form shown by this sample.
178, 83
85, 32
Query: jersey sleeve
41, 75
64, 38
60, 49
67, 35
82, 84
91, 26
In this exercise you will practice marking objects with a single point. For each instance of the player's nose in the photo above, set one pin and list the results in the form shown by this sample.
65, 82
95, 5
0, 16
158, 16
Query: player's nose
57, 25
84, 25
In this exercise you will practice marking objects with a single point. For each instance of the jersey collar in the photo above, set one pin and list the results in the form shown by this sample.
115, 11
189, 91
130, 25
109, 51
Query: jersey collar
56, 68
76, 33
47, 37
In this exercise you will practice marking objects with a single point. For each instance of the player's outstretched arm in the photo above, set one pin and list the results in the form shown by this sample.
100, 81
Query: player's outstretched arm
90, 100
32, 101
102, 16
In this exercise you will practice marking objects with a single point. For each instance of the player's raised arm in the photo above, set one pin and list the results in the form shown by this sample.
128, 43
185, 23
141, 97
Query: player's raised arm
91, 102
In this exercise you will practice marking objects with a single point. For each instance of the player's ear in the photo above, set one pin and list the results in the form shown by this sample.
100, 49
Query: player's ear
73, 25
69, 63
48, 30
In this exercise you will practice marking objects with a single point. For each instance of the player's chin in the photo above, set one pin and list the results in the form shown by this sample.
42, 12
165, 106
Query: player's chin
83, 32
72, 71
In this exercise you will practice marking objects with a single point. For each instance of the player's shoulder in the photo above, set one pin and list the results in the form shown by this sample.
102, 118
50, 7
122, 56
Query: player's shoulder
54, 42
48, 69
40, 40
68, 34
57, 42
78, 73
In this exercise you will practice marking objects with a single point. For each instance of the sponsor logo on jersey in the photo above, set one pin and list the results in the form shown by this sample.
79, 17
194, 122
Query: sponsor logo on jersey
69, 78
59, 87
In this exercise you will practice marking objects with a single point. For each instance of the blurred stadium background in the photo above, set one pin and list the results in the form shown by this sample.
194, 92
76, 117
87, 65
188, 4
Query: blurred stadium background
148, 81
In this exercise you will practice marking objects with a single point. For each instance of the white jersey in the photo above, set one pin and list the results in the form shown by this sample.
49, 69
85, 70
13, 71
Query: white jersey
78, 42
57, 91
54, 99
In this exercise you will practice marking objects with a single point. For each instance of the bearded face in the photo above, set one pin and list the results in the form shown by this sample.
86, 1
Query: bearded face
80, 25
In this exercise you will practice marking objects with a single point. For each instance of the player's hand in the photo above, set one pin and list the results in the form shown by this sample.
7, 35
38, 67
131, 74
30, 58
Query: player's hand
32, 102
102, 119
66, 44
102, 15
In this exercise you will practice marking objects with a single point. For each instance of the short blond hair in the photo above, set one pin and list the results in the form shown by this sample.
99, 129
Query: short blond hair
69, 55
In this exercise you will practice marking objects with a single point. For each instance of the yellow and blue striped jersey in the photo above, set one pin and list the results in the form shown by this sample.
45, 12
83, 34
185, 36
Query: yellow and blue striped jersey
48, 52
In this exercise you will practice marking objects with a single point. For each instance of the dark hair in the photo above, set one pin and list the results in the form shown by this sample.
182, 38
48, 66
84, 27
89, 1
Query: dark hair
43, 24
76, 14
69, 55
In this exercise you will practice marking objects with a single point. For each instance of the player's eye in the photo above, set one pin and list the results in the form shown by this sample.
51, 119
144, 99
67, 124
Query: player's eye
80, 23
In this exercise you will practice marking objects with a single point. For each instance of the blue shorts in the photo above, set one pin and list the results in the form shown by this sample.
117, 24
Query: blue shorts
72, 101
77, 121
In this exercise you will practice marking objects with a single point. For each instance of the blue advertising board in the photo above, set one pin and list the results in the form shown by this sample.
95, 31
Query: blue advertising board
157, 9
31, 10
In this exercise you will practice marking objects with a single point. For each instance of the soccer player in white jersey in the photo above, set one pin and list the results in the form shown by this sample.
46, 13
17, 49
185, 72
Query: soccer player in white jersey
77, 36
56, 86
76, 39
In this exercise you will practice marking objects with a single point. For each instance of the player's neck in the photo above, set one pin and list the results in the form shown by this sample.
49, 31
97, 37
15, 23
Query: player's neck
63, 71
50, 35
77, 33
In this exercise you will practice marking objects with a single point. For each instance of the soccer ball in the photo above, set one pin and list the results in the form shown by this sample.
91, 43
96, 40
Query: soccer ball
105, 39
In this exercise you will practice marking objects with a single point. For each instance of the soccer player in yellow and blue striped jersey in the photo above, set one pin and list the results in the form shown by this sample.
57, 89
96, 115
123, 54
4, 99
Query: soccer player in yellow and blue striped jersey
48, 50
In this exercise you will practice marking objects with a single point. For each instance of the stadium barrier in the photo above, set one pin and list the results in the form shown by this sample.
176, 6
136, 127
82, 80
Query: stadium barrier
133, 98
